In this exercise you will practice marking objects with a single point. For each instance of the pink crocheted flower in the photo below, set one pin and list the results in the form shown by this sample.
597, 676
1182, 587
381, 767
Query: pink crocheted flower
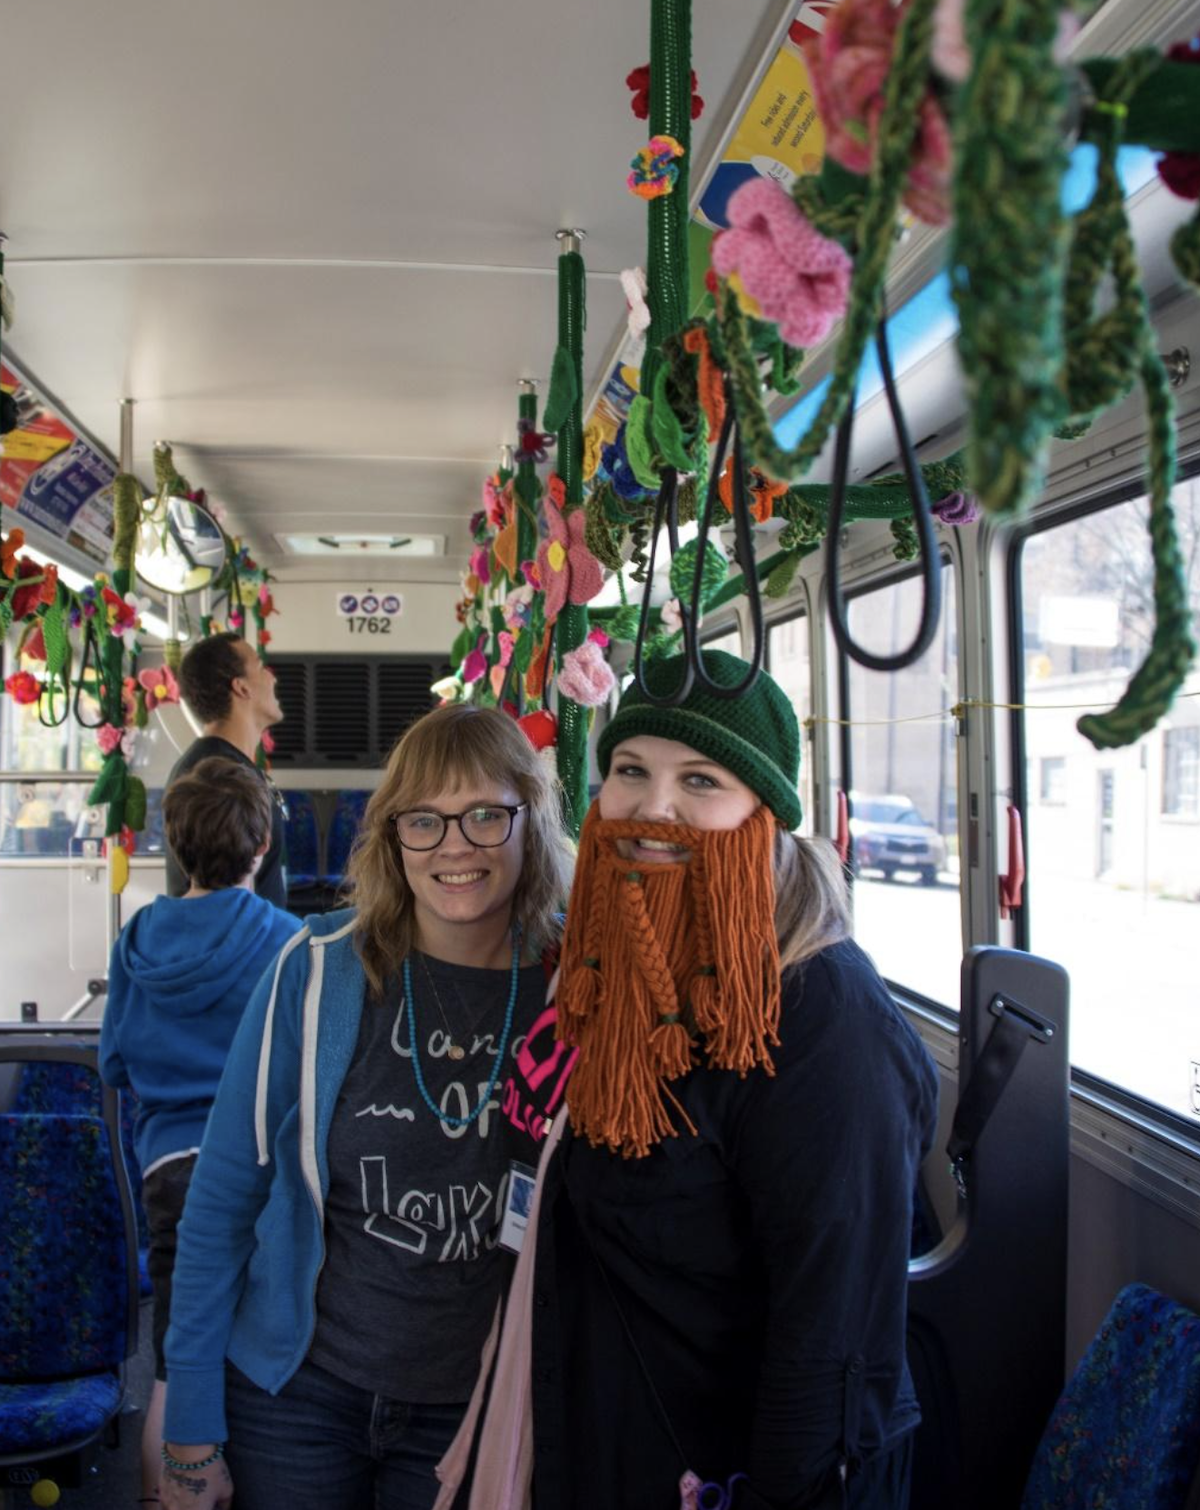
567, 570
475, 662
110, 738
800, 278
159, 686
849, 65
585, 676
480, 565
633, 286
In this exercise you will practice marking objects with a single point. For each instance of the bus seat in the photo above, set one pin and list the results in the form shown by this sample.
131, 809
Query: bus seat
1126, 1429
74, 1090
68, 1296
343, 830
302, 840
987, 1304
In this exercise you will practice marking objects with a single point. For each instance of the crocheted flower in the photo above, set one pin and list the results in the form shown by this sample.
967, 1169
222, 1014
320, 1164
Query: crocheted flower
477, 523
532, 442
449, 689
125, 615
615, 461
763, 492
110, 738
497, 500
799, 278
593, 440
49, 588
639, 82
567, 569
480, 566
504, 641
956, 509
598, 637
25, 600
585, 676
849, 64
540, 729
9, 549
672, 615
89, 601
159, 686
633, 284
517, 608
531, 574
266, 603
23, 687
1180, 171
654, 171
266, 739
264, 638
475, 662
237, 620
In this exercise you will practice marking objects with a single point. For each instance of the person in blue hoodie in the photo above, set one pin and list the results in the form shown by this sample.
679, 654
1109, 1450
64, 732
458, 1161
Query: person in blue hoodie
344, 1246
179, 979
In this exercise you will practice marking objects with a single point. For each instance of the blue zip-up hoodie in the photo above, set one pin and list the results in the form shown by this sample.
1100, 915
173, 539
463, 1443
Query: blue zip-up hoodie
251, 1242
179, 979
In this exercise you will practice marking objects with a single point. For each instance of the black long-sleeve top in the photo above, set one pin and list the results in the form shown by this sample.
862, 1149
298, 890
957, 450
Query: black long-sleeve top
760, 1267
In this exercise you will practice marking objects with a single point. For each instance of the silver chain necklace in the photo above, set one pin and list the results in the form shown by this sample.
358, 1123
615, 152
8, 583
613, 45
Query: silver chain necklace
454, 1050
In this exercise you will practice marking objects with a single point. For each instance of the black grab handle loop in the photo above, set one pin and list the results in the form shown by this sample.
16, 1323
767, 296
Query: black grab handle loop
931, 575
666, 511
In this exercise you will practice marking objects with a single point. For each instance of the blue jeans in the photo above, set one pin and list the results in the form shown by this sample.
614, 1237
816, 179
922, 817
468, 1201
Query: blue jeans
322, 1444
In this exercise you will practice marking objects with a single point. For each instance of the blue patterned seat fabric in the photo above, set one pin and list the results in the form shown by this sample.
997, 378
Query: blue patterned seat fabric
1126, 1430
302, 840
63, 1283
343, 830
49, 1086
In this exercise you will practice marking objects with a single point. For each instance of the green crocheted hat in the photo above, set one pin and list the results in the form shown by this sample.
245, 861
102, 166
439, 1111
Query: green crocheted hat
756, 735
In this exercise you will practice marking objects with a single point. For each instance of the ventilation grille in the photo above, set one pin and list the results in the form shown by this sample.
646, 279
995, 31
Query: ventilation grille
347, 711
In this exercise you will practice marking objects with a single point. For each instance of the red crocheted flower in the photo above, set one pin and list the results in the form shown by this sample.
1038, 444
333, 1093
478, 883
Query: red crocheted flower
26, 599
23, 687
639, 82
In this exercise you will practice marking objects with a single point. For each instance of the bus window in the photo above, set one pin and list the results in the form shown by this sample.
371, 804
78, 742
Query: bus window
27, 744
1112, 837
730, 641
899, 752
788, 662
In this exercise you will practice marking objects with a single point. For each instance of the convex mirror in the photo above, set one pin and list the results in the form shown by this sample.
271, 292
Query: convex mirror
180, 548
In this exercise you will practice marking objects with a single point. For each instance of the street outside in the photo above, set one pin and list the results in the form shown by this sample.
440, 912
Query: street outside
1134, 964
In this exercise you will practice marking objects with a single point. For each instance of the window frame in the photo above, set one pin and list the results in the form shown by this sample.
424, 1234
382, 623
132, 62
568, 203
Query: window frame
1158, 1121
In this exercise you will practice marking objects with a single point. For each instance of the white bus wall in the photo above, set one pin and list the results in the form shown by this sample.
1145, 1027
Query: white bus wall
310, 622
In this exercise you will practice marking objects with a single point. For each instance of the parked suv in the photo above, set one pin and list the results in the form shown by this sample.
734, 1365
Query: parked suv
889, 834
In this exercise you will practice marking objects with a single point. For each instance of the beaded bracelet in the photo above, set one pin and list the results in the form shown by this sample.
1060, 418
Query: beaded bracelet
181, 1467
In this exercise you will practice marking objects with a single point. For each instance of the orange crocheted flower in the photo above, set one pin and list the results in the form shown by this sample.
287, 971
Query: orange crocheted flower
763, 492
8, 552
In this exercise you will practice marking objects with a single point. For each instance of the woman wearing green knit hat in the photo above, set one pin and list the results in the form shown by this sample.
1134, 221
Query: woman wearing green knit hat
713, 1309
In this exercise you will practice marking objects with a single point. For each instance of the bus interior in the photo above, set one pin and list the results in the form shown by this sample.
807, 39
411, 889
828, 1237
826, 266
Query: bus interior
316, 263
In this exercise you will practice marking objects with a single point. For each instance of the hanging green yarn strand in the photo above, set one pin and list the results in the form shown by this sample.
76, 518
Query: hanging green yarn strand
525, 488
906, 83
571, 628
1102, 352
127, 513
1007, 264
167, 481
1185, 250
112, 784
667, 216
1172, 649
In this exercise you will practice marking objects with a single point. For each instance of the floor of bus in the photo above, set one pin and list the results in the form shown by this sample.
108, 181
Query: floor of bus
112, 1475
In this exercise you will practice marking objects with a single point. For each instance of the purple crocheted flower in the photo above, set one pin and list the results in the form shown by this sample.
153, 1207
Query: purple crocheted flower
956, 509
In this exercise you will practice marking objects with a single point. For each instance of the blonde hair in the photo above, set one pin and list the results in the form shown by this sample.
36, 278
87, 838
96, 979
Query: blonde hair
455, 746
812, 901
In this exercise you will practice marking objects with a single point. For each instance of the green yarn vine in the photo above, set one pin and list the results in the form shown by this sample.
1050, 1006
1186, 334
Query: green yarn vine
1007, 263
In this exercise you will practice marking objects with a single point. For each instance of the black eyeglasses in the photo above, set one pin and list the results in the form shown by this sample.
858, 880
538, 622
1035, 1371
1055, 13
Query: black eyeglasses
486, 826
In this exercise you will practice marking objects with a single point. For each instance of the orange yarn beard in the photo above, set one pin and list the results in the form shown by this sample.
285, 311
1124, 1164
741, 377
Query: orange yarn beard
665, 967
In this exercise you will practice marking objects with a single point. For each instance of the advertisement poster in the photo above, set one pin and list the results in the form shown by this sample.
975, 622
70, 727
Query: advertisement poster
51, 476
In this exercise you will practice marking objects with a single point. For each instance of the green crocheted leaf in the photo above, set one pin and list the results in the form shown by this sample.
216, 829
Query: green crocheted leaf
683, 569
461, 647
111, 783
523, 651
639, 443
54, 633
135, 803
563, 391
623, 624
780, 579
5, 615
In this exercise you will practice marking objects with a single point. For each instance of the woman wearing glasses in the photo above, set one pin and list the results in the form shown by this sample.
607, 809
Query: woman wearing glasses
341, 1253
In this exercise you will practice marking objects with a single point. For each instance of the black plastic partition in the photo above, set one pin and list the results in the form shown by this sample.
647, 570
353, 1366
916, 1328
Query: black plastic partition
987, 1306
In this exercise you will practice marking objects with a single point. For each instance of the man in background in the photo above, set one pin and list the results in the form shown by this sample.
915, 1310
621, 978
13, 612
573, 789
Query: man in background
231, 695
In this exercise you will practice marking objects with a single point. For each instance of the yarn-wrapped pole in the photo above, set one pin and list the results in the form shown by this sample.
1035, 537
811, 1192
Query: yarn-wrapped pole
525, 485
571, 629
113, 783
907, 81
667, 234
1008, 260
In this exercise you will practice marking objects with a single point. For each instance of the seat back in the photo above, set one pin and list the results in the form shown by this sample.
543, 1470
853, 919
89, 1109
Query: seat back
343, 830
1126, 1429
302, 839
68, 1231
64, 1271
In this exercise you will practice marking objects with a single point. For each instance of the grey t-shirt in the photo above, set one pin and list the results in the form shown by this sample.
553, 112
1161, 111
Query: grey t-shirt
412, 1267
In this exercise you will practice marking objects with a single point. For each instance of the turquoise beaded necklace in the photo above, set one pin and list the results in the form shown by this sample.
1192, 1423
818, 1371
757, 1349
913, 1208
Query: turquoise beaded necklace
499, 1061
